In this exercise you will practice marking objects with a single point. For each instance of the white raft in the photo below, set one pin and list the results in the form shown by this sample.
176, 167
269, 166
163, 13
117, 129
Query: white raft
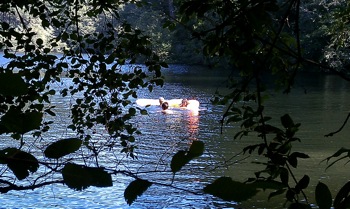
173, 103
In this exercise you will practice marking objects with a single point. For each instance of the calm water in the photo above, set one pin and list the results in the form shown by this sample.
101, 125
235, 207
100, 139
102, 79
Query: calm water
319, 103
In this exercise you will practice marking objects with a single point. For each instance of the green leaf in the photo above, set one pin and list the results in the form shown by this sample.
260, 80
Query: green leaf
143, 112
287, 121
80, 177
179, 160
21, 163
196, 149
229, 190
323, 196
135, 189
12, 85
62, 147
17, 122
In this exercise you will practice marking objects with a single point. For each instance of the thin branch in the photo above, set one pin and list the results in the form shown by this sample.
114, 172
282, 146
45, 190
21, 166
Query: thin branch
341, 128
234, 99
307, 61
20, 188
21, 19
295, 180
177, 188
283, 22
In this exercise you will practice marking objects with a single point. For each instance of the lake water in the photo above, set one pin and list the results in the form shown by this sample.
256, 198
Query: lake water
319, 102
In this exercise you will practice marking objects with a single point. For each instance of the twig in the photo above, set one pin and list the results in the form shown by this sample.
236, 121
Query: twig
19, 188
341, 128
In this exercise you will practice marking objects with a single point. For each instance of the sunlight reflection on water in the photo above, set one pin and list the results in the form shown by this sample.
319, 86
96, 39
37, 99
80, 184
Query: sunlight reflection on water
163, 135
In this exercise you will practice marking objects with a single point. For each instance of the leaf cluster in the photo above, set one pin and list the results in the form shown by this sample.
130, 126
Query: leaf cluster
104, 70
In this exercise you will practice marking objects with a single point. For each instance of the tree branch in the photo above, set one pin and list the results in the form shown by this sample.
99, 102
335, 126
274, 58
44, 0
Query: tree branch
341, 128
20, 188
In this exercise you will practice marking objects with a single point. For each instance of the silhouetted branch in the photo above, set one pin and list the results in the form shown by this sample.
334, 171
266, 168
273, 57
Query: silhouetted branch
12, 186
341, 128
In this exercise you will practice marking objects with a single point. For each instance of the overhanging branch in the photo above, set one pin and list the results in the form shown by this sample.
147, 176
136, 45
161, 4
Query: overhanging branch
12, 186
341, 128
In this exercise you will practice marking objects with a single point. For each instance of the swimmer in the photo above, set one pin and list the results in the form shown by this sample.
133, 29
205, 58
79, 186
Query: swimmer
184, 103
161, 101
165, 108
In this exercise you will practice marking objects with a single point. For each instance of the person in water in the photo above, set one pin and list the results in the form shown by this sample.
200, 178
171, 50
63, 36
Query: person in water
165, 105
184, 103
161, 101
165, 108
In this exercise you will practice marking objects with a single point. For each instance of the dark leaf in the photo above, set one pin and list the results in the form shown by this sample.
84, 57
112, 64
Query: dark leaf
338, 153
267, 129
323, 196
135, 189
179, 160
50, 112
132, 111
261, 148
143, 112
290, 195
229, 190
80, 177
284, 175
62, 147
16, 121
12, 85
39, 41
293, 158
19, 162
299, 155
293, 161
196, 149
303, 183
268, 184
287, 121
342, 199
5, 25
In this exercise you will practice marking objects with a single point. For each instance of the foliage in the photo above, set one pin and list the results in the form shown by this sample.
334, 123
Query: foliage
100, 90
136, 188
99, 53
97, 43
80, 177
259, 38
183, 157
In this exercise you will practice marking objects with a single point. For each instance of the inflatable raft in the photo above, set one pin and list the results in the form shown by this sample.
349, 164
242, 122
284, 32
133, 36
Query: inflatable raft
173, 103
